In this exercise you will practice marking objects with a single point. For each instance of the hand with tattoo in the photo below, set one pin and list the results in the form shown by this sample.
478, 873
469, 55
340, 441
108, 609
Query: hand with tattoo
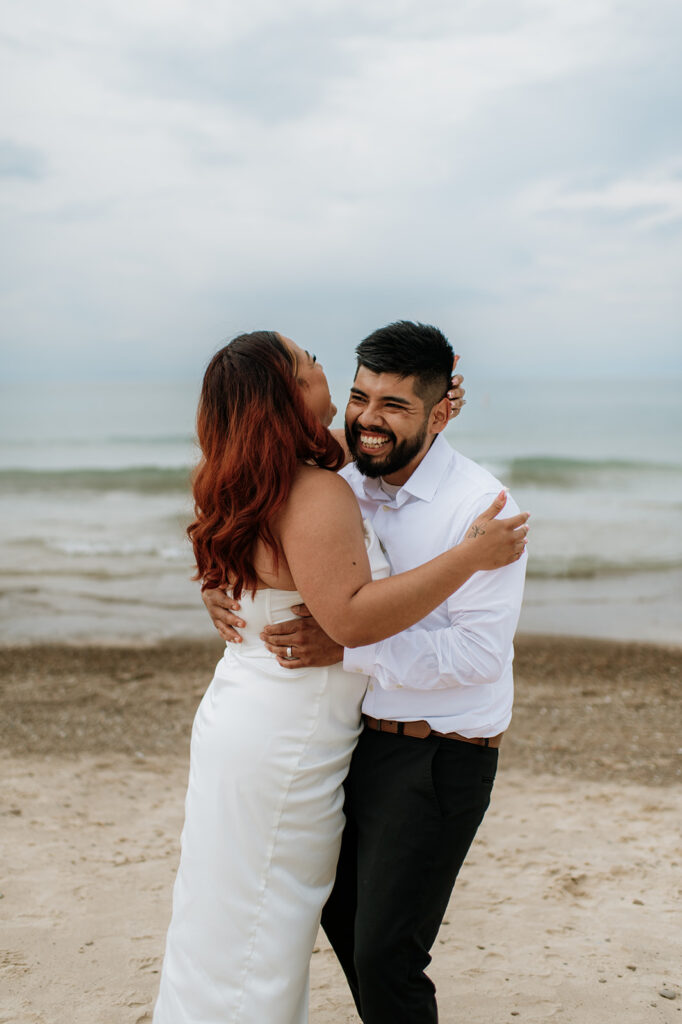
499, 541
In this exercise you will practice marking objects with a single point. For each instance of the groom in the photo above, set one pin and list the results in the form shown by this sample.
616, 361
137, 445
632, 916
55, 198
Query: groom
440, 693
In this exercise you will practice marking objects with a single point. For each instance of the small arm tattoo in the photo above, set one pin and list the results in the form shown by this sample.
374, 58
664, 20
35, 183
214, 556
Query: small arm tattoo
476, 531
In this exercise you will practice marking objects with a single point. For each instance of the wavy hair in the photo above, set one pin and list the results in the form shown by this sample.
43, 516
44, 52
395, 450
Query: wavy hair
253, 428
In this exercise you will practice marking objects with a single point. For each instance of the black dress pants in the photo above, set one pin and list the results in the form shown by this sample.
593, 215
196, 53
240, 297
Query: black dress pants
412, 807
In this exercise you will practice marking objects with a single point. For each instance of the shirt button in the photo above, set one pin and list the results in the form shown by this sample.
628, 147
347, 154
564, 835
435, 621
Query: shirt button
386, 508
371, 686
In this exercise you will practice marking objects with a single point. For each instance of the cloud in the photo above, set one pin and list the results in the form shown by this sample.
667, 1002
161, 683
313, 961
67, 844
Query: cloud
24, 162
510, 170
652, 200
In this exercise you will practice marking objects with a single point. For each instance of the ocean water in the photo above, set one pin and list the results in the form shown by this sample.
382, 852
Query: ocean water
94, 502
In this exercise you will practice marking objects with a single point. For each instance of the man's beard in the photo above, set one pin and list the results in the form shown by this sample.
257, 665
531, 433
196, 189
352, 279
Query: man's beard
398, 457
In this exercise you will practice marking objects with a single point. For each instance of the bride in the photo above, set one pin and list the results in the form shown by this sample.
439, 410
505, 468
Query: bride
271, 746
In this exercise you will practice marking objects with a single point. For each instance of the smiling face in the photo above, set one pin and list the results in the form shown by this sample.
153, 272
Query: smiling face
388, 429
313, 382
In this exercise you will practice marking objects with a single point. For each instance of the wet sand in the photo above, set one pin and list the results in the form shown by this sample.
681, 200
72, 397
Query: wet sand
567, 907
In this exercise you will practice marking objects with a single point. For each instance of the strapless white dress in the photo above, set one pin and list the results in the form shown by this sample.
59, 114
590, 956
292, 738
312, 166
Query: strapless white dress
263, 822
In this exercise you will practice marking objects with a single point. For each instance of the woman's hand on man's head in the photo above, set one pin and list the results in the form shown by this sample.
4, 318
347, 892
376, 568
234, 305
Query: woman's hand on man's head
456, 393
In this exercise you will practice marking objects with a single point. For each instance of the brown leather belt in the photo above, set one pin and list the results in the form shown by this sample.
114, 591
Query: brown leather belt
420, 730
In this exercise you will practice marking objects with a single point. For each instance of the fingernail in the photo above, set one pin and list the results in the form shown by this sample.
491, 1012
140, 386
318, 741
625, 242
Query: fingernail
235, 607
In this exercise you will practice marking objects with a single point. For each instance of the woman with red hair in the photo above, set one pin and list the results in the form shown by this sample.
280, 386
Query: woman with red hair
271, 746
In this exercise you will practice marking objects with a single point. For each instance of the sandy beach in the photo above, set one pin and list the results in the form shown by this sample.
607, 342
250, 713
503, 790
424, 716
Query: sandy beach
568, 907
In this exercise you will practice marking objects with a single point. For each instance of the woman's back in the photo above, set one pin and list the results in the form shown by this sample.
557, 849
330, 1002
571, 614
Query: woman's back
307, 502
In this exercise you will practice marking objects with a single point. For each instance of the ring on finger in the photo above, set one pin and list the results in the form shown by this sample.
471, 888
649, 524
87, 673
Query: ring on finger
289, 654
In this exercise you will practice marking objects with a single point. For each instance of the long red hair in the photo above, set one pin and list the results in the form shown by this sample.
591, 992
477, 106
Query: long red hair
253, 428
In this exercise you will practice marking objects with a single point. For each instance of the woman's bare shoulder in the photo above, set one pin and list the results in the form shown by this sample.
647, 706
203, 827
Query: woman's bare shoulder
321, 535
319, 495
313, 483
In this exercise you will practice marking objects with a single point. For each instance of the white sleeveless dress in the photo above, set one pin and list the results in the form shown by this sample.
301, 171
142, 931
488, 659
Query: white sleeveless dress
263, 822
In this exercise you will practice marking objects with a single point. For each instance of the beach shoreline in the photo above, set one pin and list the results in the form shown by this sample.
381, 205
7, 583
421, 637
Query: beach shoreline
565, 909
585, 705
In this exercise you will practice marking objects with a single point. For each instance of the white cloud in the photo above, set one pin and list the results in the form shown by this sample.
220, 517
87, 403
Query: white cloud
651, 200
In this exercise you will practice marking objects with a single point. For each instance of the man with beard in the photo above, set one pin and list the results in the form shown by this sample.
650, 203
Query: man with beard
440, 693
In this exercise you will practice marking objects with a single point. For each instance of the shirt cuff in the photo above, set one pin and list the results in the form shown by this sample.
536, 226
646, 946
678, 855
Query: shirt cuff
360, 659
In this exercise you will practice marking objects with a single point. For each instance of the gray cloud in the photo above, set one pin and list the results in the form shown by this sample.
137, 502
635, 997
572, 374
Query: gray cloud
509, 170
24, 162
278, 73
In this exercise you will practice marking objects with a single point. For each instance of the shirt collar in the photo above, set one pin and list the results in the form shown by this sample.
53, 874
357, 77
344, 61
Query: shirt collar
424, 482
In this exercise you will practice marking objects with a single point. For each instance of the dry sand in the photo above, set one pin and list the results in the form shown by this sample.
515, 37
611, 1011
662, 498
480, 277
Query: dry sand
568, 907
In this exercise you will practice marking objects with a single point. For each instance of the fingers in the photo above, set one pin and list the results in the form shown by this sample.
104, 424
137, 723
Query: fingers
301, 610
226, 618
520, 542
281, 641
517, 527
495, 507
290, 662
456, 395
227, 624
230, 635
520, 535
282, 655
222, 608
513, 522
290, 628
457, 400
215, 598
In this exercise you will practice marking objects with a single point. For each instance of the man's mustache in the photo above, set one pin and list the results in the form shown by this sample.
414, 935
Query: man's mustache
356, 430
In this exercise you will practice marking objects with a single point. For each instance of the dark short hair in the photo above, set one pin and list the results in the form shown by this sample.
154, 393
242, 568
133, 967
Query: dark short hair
410, 350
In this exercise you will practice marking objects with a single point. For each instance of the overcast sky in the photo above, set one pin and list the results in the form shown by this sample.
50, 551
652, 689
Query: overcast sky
175, 172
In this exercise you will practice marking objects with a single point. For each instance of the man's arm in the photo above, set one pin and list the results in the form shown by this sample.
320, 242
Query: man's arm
472, 650
310, 645
474, 646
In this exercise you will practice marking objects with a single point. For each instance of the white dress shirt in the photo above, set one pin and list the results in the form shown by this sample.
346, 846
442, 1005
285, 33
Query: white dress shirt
454, 668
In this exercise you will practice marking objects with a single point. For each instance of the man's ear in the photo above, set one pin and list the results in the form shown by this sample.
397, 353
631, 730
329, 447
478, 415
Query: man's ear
439, 417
